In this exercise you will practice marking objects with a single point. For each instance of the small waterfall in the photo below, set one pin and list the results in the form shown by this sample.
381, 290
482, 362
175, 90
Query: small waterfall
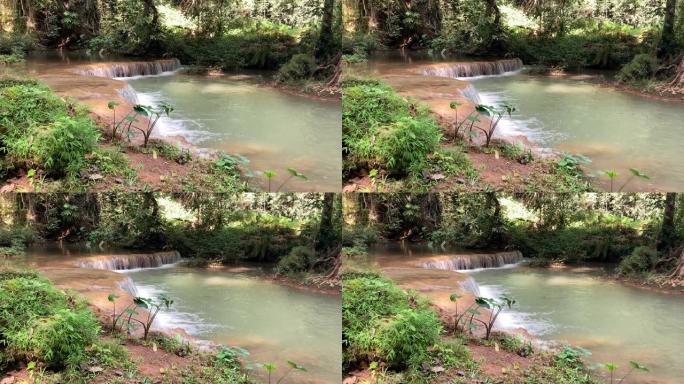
129, 286
470, 285
470, 93
133, 261
473, 68
477, 261
131, 68
129, 94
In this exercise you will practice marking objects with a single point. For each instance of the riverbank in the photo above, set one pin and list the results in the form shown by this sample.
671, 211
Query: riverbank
115, 356
510, 163
174, 163
450, 354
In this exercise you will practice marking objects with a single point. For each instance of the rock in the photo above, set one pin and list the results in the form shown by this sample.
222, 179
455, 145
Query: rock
118, 373
460, 373
7, 380
118, 180
7, 188
437, 369
437, 176
460, 180
349, 188
95, 177
349, 380
95, 369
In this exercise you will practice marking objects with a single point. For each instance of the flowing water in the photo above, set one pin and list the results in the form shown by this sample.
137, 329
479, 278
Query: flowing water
616, 323
237, 306
274, 130
275, 323
616, 130
237, 114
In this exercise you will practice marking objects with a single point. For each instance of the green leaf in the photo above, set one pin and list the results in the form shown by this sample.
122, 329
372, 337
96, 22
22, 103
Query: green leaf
455, 296
638, 366
455, 104
112, 104
112, 297
638, 173
296, 366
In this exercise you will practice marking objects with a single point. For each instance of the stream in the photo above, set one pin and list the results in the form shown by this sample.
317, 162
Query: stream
239, 114
615, 322
239, 306
616, 130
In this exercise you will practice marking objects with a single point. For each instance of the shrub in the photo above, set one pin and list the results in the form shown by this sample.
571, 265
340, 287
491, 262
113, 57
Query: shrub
40, 323
641, 67
61, 149
42, 131
300, 259
380, 324
263, 46
404, 147
403, 340
641, 259
300, 67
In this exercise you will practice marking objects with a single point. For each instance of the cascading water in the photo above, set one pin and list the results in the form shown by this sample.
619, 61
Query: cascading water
470, 93
134, 261
473, 68
128, 285
475, 261
470, 285
132, 68
129, 94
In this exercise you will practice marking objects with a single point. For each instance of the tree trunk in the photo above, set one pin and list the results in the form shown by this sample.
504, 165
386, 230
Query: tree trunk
667, 230
327, 44
668, 42
326, 233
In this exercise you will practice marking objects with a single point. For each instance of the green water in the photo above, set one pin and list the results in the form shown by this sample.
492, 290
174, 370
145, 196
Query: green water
615, 322
274, 322
274, 130
616, 130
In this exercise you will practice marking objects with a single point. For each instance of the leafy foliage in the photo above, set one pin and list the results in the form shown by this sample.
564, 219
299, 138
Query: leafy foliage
39, 323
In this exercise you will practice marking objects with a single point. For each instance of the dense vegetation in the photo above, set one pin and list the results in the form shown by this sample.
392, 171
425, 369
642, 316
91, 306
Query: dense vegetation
393, 139
217, 34
298, 232
641, 233
644, 38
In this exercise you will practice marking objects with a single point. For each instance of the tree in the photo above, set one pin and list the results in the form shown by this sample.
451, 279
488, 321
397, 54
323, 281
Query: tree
667, 230
668, 42
327, 41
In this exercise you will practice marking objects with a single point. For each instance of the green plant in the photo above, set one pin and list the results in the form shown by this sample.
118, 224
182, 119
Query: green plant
494, 114
292, 173
571, 163
269, 367
152, 308
300, 259
571, 356
40, 323
612, 368
404, 340
153, 114
642, 259
642, 66
404, 146
494, 308
300, 67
